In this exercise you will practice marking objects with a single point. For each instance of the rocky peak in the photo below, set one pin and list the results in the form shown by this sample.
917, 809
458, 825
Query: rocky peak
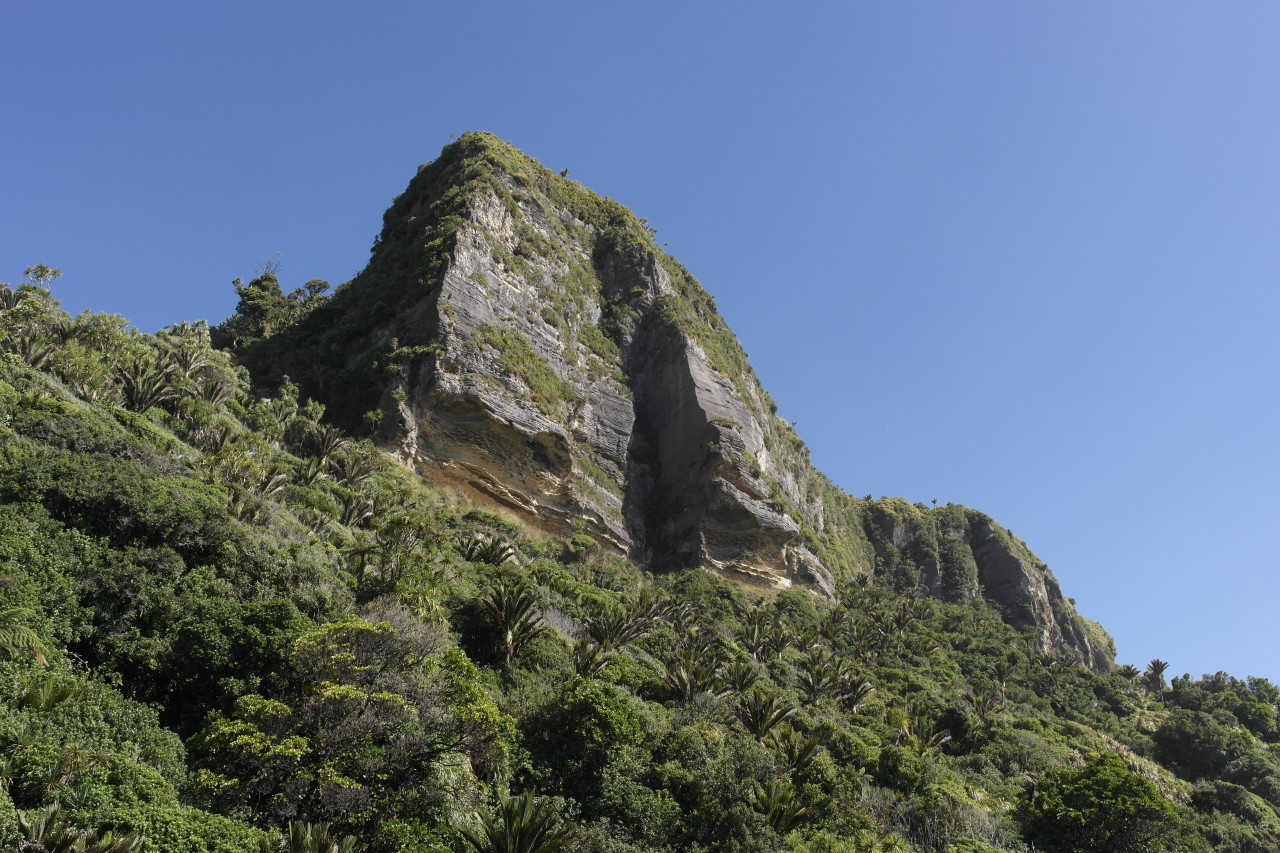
528, 344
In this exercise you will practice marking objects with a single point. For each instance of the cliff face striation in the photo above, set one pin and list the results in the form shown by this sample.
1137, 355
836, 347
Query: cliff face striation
527, 343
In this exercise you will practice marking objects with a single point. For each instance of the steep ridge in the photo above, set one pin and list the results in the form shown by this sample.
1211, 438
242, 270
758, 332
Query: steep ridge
524, 341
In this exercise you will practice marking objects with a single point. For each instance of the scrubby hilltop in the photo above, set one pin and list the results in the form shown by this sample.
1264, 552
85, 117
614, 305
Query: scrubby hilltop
527, 343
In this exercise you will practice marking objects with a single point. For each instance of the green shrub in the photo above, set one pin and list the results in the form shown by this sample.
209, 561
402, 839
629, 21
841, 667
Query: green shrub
181, 829
1102, 807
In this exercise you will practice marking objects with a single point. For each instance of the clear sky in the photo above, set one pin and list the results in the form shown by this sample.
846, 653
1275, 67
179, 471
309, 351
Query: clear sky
1020, 256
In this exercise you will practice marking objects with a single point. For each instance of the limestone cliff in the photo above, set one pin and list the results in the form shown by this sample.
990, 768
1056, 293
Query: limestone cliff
527, 343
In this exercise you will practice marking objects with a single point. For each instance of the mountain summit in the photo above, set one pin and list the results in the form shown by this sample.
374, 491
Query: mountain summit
524, 341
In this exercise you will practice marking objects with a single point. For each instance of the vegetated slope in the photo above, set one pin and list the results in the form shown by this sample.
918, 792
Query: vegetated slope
525, 341
219, 615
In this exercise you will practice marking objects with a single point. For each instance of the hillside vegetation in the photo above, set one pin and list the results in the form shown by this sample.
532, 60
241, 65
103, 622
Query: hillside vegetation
228, 625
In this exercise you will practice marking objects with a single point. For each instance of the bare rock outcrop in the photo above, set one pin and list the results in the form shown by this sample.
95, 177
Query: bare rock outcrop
562, 387
960, 555
527, 343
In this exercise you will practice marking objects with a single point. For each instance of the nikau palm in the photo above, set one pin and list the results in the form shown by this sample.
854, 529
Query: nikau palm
48, 830
614, 627
520, 824
795, 750
760, 714
512, 607
776, 800
690, 675
482, 548
589, 659
1155, 675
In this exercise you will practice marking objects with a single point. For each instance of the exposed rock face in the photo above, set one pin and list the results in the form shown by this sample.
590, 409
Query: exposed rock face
562, 387
1030, 599
960, 555
532, 347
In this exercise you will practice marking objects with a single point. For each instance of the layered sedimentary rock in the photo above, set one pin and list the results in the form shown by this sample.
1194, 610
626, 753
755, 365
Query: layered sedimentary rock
961, 555
564, 368
527, 343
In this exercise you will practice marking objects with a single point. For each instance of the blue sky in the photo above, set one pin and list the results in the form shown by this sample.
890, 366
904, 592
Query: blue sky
1017, 256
